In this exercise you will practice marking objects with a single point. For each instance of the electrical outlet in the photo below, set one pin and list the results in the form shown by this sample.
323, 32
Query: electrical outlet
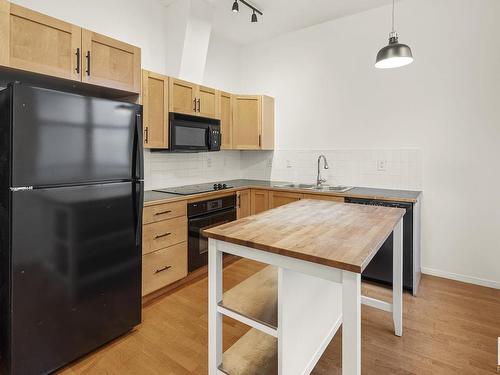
382, 165
209, 162
270, 163
289, 164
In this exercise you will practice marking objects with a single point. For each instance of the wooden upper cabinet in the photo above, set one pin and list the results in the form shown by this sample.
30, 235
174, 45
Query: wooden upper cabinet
226, 120
280, 198
155, 109
38, 43
110, 62
253, 122
182, 97
247, 122
208, 102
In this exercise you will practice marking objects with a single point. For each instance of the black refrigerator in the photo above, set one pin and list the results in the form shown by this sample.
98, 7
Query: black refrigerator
71, 197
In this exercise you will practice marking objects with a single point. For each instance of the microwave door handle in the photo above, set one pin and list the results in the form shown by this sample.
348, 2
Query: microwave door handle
209, 138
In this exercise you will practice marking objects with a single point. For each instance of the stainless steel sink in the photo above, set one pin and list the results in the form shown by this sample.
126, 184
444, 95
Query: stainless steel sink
296, 186
336, 189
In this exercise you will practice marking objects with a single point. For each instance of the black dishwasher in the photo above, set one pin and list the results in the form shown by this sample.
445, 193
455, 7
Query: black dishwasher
380, 268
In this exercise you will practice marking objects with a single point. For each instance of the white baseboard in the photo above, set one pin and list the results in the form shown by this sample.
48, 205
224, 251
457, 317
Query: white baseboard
462, 278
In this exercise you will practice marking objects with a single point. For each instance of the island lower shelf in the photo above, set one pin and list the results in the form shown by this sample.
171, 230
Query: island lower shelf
255, 353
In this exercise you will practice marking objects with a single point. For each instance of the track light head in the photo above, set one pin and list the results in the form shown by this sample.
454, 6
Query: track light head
254, 16
236, 7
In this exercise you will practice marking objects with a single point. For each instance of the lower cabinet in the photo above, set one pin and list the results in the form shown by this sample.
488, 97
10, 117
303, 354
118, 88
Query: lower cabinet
279, 198
259, 201
243, 206
163, 267
164, 245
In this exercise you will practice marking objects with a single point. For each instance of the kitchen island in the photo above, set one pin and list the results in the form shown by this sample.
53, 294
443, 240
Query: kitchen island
317, 250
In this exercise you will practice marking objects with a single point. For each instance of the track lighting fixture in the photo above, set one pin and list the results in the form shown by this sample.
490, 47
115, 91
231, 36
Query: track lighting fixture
236, 9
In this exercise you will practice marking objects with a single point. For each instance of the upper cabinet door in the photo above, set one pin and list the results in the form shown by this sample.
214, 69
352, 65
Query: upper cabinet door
183, 97
247, 121
226, 120
155, 107
110, 62
38, 43
208, 102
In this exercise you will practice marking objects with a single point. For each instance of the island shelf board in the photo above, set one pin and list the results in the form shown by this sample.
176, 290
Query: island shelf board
256, 298
255, 353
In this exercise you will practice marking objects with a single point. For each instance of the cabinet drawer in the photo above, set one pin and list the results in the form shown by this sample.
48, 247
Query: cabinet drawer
163, 267
153, 214
165, 233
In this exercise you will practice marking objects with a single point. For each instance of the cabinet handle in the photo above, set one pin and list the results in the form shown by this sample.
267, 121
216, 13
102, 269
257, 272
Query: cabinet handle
199, 105
163, 213
194, 101
163, 269
239, 201
162, 235
260, 140
88, 63
146, 135
77, 69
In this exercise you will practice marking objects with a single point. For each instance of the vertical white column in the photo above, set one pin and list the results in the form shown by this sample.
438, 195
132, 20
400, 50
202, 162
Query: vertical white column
397, 279
351, 323
214, 297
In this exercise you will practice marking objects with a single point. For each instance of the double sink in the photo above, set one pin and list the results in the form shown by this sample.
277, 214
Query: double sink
336, 189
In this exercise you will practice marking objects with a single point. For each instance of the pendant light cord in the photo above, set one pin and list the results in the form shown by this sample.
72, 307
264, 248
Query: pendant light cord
393, 16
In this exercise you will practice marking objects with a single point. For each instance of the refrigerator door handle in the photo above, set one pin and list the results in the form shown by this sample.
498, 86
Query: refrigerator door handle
139, 202
138, 151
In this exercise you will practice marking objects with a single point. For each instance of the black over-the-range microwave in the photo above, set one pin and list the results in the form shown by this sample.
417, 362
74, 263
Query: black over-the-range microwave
193, 134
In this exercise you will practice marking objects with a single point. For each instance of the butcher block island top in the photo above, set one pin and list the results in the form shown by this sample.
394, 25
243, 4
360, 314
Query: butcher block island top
341, 235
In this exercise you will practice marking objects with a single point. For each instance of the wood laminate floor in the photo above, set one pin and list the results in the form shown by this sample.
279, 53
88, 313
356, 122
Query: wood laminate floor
450, 328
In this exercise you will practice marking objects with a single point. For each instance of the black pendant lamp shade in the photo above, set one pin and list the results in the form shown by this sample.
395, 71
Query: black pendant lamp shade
236, 7
254, 17
395, 54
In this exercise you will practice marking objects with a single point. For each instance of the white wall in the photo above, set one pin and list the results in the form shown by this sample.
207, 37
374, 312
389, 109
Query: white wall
329, 96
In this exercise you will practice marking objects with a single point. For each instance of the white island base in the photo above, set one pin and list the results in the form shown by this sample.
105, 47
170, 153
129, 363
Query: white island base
294, 308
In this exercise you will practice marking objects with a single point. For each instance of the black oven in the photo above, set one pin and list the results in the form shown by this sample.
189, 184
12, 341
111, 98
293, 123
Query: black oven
193, 133
204, 215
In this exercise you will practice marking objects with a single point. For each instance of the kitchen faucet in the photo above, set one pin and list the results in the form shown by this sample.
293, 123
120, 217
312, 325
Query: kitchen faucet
319, 179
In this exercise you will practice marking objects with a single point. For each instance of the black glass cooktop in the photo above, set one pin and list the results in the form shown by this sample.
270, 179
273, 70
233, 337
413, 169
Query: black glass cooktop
195, 189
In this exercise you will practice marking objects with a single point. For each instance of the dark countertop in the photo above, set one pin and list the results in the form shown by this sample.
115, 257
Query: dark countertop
357, 192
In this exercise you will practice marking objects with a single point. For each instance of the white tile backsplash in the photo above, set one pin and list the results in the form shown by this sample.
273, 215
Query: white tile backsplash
175, 169
347, 167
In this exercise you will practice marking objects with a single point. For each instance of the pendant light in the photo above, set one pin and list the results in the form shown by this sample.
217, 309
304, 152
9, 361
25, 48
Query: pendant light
395, 54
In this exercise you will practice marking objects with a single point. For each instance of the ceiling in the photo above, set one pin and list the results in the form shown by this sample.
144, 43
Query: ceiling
280, 16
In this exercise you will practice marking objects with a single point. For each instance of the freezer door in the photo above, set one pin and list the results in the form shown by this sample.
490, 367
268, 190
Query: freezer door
76, 272
63, 139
